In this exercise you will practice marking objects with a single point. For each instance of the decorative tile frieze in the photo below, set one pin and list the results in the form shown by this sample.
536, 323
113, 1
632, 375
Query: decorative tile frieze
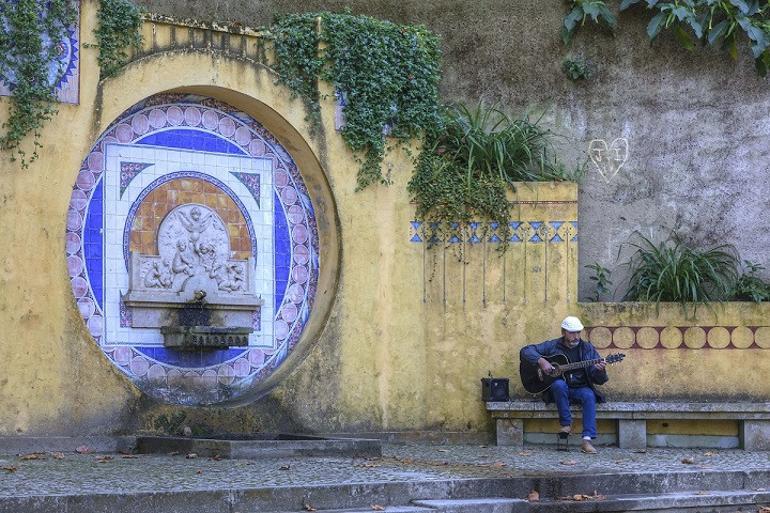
475, 232
679, 337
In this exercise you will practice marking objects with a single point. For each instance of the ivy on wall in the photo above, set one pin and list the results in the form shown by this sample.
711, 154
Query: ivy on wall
386, 75
472, 158
28, 51
718, 23
118, 27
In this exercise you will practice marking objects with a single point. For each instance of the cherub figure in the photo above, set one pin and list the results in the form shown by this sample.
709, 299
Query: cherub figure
234, 280
183, 262
195, 224
158, 276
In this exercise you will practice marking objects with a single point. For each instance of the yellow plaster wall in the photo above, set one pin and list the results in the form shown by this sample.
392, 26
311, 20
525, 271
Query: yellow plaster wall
717, 352
401, 332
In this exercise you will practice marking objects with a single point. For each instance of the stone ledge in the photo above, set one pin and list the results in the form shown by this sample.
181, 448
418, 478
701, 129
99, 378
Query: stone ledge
637, 410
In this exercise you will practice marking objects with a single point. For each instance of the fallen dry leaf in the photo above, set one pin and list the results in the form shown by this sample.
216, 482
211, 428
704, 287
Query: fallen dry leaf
568, 462
199, 471
103, 459
764, 509
83, 449
129, 456
308, 507
191, 456
284, 467
688, 460
709, 453
57, 455
442, 450
499, 464
216, 457
525, 453
10, 468
173, 453
31, 456
533, 496
583, 497
377, 507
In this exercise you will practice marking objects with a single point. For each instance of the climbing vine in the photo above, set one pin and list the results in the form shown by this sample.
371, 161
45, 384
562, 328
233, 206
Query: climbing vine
117, 31
386, 76
30, 44
717, 23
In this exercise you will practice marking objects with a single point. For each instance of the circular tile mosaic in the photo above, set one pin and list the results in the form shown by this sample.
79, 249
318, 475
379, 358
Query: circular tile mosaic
235, 214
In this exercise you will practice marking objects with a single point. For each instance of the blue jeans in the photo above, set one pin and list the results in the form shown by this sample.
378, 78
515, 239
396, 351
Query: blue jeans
564, 395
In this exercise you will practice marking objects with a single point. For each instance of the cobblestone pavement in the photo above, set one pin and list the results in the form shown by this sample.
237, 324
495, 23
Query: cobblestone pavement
71, 473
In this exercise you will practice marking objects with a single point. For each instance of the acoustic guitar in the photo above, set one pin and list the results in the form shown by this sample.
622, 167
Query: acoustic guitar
536, 381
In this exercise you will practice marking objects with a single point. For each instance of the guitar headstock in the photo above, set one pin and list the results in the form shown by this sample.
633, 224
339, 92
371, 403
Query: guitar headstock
614, 358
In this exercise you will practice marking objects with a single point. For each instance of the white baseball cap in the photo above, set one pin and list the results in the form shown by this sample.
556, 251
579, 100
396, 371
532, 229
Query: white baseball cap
572, 324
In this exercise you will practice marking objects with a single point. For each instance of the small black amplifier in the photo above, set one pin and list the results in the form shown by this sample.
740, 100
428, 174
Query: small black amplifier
494, 390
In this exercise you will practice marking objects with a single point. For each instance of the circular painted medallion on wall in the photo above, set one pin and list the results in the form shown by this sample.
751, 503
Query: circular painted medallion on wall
185, 201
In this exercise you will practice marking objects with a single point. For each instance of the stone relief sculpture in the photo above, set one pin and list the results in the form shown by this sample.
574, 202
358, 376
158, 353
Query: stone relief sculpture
193, 265
194, 239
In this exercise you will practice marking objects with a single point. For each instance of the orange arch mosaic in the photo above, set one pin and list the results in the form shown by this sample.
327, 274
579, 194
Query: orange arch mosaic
166, 197
680, 337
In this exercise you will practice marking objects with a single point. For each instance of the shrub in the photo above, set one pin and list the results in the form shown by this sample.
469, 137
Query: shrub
472, 158
749, 286
674, 271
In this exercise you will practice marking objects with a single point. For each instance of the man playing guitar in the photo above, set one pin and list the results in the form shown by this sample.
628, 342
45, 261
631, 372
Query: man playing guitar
576, 386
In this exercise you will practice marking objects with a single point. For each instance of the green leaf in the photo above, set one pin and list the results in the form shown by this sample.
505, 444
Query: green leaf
571, 20
680, 13
696, 26
684, 38
656, 23
717, 32
608, 16
742, 5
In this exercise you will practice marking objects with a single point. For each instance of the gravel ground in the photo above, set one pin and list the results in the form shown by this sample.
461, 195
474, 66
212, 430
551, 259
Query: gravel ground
72, 473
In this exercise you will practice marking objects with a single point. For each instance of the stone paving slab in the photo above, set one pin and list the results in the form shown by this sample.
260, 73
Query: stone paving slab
115, 473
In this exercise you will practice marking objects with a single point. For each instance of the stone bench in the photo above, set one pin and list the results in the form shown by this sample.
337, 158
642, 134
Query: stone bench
754, 419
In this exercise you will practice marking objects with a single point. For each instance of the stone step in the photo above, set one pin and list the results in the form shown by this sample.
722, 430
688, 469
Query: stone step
711, 501
481, 505
371, 509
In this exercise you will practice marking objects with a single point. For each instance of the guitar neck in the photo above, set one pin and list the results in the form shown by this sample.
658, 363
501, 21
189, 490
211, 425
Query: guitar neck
578, 365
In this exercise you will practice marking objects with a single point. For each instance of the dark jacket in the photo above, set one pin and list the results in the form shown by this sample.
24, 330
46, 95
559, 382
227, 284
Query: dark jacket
533, 352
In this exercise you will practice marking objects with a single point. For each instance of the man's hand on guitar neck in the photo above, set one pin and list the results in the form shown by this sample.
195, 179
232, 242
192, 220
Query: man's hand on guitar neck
601, 365
545, 366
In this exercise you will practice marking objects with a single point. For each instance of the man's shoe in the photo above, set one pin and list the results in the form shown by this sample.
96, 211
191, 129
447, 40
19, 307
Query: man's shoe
564, 431
587, 447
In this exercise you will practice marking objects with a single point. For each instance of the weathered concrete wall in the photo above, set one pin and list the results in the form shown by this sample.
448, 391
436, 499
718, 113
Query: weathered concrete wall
694, 121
